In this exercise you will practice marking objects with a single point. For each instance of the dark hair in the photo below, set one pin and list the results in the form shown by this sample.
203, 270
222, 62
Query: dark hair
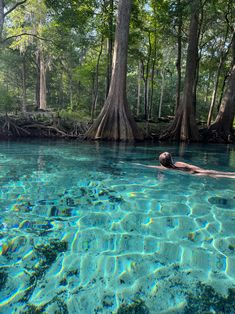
166, 160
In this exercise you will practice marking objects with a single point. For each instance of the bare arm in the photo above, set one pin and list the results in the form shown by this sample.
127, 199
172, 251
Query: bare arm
191, 169
149, 166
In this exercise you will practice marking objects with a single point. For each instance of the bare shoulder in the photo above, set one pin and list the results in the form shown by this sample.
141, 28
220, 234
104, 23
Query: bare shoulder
182, 164
187, 167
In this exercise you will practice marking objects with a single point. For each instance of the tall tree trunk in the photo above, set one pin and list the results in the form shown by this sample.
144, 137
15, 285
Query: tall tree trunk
179, 53
162, 93
115, 121
23, 85
37, 85
42, 91
37, 91
109, 46
207, 88
70, 81
96, 83
222, 89
221, 129
184, 126
214, 93
138, 90
145, 75
153, 70
199, 55
223, 56
151, 90
195, 86
1, 18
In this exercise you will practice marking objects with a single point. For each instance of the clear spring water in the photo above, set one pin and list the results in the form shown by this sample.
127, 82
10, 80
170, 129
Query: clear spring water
83, 229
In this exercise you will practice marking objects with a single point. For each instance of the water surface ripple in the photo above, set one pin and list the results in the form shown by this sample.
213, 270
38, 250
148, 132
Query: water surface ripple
85, 229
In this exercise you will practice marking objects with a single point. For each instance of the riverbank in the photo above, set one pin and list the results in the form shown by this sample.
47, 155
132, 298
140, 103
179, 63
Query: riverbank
51, 125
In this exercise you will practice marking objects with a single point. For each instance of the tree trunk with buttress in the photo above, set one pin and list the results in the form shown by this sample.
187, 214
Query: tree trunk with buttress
223, 56
115, 121
183, 127
221, 129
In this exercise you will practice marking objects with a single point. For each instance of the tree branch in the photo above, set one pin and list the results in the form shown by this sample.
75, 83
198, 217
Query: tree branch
14, 7
28, 34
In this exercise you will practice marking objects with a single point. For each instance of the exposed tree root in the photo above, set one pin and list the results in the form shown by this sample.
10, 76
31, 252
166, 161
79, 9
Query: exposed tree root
48, 127
28, 127
217, 135
9, 127
181, 129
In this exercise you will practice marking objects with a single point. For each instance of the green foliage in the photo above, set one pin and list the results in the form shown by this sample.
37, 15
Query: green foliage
71, 115
8, 102
71, 35
72, 14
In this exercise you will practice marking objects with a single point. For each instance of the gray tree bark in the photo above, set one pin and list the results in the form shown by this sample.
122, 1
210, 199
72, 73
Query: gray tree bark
183, 127
115, 121
24, 85
138, 90
1, 18
109, 46
96, 83
42, 91
223, 55
179, 53
162, 93
221, 129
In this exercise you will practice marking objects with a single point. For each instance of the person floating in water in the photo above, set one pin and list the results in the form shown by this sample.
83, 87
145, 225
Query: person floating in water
167, 162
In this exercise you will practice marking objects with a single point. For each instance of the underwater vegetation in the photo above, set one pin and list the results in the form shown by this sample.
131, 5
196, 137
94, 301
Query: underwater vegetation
207, 300
137, 307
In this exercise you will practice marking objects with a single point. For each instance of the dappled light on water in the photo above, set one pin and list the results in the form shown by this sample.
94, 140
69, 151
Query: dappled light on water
85, 228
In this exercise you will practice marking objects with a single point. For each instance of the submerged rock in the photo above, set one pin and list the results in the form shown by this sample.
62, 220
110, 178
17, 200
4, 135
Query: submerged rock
32, 309
50, 251
222, 202
56, 305
54, 211
3, 279
208, 300
138, 307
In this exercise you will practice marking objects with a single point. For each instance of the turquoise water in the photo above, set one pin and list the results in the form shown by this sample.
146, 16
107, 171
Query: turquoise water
84, 229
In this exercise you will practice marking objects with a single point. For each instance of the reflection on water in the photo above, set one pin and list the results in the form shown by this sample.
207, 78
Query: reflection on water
85, 229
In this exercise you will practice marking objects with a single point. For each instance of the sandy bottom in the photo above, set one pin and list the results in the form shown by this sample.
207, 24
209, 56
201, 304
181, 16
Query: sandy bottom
103, 239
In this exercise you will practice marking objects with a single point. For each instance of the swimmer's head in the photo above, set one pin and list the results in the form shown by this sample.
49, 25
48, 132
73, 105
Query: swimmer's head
166, 160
